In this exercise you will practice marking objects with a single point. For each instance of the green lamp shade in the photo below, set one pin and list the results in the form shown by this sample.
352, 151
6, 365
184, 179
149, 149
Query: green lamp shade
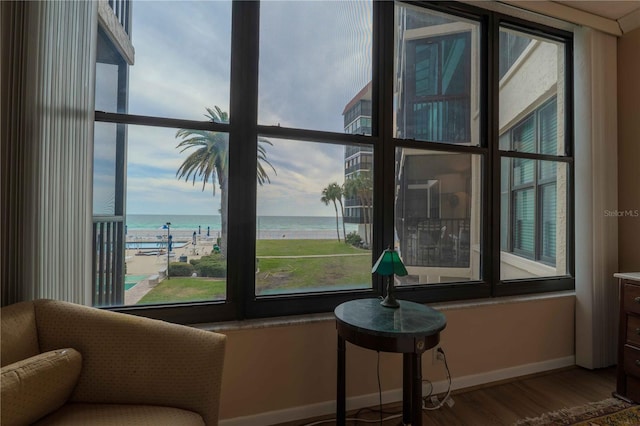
389, 263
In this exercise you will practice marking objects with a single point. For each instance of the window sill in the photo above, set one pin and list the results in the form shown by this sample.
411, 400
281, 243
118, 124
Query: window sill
296, 320
252, 324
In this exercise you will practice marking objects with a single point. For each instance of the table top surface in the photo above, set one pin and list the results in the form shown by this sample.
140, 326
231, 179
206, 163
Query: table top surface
628, 275
409, 320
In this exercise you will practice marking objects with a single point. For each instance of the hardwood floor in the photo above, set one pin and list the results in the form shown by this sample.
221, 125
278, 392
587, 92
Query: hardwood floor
507, 402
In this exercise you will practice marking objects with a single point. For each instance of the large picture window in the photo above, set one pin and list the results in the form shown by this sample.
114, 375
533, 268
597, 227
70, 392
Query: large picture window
255, 158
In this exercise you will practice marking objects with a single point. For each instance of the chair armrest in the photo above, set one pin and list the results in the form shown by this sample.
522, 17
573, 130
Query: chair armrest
135, 360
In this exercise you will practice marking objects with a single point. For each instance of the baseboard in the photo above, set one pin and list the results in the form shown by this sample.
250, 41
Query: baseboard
394, 395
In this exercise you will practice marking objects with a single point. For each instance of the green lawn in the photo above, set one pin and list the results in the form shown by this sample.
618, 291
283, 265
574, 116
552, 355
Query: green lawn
303, 247
280, 275
185, 289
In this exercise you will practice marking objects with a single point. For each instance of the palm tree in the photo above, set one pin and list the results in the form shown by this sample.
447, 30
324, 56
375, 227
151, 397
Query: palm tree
361, 187
333, 193
210, 161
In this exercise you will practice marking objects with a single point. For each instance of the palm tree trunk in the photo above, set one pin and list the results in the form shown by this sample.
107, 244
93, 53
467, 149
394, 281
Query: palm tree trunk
366, 213
344, 231
335, 207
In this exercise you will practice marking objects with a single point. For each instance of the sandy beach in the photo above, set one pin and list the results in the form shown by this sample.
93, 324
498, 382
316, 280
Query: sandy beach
147, 266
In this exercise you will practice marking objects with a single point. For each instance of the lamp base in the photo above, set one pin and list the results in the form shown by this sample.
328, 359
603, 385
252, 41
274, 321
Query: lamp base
390, 302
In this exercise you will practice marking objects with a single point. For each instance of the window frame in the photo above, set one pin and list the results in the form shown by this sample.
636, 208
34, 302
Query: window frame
542, 284
244, 130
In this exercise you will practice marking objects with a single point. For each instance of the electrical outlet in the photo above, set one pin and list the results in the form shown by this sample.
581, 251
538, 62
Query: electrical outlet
436, 355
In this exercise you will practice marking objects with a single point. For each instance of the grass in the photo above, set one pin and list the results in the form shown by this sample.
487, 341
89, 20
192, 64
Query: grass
282, 274
318, 272
185, 289
303, 248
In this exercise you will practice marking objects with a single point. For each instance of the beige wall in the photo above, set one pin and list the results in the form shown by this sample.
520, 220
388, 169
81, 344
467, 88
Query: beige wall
284, 367
629, 151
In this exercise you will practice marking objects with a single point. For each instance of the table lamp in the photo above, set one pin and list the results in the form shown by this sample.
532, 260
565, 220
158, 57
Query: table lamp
390, 264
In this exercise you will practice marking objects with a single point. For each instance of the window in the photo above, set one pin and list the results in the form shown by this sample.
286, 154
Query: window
266, 153
531, 188
535, 178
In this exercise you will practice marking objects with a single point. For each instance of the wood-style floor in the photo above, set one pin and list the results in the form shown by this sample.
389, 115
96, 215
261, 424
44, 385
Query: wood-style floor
506, 402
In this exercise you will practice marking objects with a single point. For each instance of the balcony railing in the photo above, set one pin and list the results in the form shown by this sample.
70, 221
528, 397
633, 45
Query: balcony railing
122, 9
358, 168
439, 119
108, 269
436, 243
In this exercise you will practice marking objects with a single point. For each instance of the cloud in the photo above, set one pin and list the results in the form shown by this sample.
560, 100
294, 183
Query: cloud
305, 81
315, 56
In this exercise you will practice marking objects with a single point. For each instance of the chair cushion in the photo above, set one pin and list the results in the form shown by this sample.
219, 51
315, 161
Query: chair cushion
120, 414
37, 386
18, 333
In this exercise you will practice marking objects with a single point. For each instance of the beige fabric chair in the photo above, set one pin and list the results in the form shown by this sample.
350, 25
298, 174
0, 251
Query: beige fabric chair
133, 370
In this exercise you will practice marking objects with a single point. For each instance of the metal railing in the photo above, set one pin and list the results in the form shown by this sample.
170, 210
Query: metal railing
122, 9
108, 258
439, 119
436, 243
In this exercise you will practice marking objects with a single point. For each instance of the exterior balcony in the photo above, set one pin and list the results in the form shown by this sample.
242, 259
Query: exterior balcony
436, 243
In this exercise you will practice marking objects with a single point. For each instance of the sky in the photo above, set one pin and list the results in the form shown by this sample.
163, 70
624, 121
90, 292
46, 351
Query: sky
182, 66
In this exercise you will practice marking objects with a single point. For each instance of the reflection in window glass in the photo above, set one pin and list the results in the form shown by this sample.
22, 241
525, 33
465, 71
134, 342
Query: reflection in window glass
533, 192
532, 93
437, 89
109, 139
104, 168
306, 242
524, 221
165, 186
314, 58
533, 221
437, 215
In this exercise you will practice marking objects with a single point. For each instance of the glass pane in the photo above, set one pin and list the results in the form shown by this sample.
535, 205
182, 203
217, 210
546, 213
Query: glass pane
504, 202
523, 171
524, 222
548, 122
437, 215
549, 201
548, 171
314, 217
532, 92
105, 138
524, 136
315, 65
182, 56
110, 95
437, 64
534, 223
111, 81
165, 185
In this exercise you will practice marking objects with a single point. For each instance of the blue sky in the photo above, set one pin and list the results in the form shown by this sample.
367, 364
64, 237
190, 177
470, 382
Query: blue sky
315, 56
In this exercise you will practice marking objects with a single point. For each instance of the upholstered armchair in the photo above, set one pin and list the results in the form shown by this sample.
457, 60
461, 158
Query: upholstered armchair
64, 363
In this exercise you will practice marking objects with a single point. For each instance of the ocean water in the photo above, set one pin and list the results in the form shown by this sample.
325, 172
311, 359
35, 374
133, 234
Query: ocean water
267, 226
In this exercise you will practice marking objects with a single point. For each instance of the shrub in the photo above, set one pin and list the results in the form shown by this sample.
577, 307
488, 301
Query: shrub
354, 239
180, 269
211, 268
195, 262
